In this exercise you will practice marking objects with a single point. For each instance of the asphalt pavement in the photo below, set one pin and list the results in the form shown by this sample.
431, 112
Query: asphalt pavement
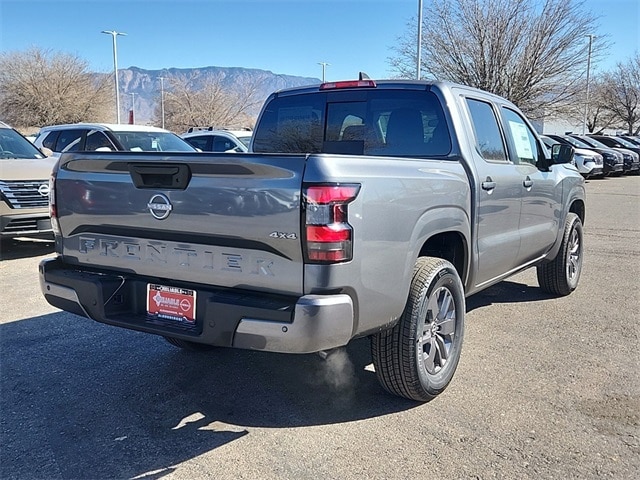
546, 387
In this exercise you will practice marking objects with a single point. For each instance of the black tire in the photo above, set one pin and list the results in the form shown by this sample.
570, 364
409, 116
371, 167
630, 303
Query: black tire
190, 346
560, 276
401, 355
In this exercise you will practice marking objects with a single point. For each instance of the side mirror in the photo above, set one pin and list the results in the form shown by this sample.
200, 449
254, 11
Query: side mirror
47, 151
561, 154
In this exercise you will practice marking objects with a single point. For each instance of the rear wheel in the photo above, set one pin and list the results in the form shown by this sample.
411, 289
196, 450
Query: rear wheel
190, 346
417, 358
560, 276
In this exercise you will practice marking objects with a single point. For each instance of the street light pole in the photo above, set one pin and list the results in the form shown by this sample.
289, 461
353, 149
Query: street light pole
114, 34
324, 66
162, 99
419, 53
586, 105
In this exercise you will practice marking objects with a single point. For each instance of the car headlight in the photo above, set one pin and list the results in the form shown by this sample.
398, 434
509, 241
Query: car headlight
584, 158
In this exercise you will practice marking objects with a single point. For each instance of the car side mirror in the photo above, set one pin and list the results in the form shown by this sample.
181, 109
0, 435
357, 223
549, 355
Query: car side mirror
561, 154
46, 151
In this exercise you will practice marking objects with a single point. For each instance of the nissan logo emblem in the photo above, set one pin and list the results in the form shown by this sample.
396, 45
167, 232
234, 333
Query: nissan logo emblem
44, 189
159, 206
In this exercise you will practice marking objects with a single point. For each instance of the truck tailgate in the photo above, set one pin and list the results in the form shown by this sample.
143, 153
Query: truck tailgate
227, 220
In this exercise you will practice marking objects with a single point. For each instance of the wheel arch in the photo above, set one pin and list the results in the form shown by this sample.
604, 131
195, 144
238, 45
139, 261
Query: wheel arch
451, 246
578, 207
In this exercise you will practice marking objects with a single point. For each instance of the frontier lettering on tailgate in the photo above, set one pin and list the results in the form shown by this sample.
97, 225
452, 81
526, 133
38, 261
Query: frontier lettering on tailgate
172, 256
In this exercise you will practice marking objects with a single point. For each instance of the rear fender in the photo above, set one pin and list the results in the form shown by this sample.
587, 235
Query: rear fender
452, 219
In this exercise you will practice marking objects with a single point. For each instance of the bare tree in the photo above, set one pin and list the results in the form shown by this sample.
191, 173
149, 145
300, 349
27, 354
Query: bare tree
39, 87
532, 52
620, 95
208, 103
599, 115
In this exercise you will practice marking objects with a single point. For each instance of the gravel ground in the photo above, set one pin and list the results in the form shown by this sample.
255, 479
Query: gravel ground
546, 387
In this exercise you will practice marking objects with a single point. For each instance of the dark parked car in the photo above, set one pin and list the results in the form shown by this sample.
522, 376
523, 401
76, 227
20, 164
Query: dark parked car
630, 151
613, 162
630, 138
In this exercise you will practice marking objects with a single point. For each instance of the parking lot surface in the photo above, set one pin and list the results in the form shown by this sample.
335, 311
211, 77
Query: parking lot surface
546, 387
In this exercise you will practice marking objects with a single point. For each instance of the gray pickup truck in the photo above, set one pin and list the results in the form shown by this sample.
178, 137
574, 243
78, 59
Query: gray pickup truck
364, 208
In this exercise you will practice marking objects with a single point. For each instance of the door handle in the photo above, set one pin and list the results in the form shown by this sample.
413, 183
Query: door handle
488, 184
527, 183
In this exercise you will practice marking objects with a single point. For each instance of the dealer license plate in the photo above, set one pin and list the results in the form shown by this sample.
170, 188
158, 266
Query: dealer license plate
171, 303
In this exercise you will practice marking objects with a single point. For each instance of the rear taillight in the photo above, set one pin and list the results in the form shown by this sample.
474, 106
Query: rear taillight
53, 211
328, 235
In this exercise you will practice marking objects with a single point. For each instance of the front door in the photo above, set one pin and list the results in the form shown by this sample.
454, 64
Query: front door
541, 193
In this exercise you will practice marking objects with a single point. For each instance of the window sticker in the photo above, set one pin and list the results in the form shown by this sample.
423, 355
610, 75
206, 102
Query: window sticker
521, 139
303, 114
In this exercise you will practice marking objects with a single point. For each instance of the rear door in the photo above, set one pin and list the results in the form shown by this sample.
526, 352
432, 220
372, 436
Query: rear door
498, 194
226, 220
71, 140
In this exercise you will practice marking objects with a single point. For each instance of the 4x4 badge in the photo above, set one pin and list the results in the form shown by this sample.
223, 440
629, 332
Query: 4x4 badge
160, 206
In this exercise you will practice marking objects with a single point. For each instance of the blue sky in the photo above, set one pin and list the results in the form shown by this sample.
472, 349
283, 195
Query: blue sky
284, 36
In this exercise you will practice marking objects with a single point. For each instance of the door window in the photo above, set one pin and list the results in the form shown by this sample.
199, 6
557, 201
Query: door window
97, 140
489, 142
222, 144
70, 140
201, 142
522, 138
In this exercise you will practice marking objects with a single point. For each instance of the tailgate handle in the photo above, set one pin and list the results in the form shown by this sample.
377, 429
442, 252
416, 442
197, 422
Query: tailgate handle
172, 176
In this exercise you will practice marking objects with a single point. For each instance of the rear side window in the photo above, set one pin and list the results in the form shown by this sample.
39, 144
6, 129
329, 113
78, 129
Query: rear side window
487, 132
50, 140
201, 142
373, 122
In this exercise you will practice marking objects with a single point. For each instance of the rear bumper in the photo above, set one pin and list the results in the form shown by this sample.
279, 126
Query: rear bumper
225, 317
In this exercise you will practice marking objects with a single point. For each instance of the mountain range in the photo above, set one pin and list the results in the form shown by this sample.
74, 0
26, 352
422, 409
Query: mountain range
144, 86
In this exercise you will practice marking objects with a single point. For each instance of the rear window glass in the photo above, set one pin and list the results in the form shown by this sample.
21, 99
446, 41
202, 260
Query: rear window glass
371, 122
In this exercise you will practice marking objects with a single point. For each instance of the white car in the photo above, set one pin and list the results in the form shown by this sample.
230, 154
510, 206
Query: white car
588, 162
77, 137
210, 139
